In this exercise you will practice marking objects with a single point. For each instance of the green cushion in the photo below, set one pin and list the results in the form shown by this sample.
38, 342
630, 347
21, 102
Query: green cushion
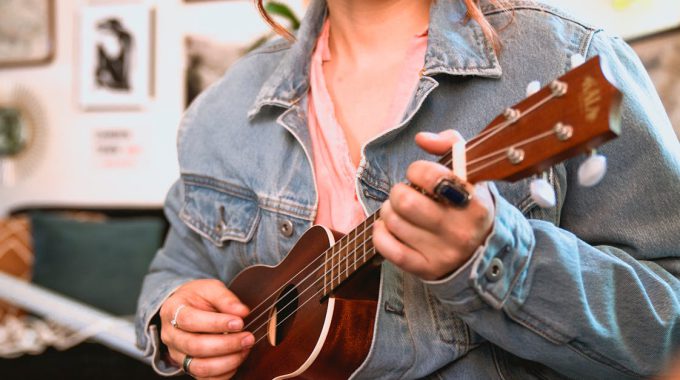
99, 263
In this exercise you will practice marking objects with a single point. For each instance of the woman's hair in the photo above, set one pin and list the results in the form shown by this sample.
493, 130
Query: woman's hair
473, 13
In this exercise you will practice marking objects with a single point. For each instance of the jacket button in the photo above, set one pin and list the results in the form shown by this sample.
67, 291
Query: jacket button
286, 228
495, 270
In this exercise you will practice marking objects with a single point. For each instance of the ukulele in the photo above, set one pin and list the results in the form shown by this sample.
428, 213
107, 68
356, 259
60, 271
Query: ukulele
313, 314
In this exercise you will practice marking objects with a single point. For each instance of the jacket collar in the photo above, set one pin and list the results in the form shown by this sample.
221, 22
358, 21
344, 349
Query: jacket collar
455, 47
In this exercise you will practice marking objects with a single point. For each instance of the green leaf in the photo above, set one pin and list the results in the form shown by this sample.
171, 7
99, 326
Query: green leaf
279, 9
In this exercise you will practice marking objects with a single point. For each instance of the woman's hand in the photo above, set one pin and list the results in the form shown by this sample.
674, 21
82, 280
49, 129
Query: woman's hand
208, 328
425, 237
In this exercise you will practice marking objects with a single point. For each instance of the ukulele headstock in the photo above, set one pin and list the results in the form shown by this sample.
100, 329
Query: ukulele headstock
572, 115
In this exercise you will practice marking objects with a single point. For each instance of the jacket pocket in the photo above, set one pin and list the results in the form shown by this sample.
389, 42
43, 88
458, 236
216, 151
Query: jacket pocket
219, 211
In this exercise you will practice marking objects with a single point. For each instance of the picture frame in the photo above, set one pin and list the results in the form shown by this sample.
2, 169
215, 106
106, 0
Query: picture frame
206, 61
115, 56
27, 32
660, 54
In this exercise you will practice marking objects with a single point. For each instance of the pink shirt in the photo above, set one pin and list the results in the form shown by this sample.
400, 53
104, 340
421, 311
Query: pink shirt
339, 207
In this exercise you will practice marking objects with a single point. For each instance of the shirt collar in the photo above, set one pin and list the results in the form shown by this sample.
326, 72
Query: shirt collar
455, 47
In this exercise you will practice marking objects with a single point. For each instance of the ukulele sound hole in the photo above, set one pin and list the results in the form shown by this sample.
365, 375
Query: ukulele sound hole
282, 315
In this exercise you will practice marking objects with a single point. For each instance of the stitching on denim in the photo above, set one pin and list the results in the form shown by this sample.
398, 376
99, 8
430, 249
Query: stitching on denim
219, 185
432, 302
587, 41
263, 201
496, 362
548, 332
408, 325
275, 47
491, 10
599, 358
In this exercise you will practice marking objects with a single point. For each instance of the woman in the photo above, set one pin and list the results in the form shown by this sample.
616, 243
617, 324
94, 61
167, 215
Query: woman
322, 131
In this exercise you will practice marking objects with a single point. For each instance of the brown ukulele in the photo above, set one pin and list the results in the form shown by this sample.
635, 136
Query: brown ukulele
313, 314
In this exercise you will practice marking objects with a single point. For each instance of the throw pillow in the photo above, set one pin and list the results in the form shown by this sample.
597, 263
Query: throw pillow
99, 262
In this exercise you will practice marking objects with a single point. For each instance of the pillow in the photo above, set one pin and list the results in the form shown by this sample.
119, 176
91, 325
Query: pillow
99, 262
16, 254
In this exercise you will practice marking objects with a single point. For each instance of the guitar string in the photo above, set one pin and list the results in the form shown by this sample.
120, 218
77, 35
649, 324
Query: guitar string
501, 151
521, 115
324, 263
473, 142
347, 243
330, 259
311, 297
340, 261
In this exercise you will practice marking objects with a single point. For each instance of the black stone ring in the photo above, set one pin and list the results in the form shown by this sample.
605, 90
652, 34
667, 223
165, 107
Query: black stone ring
452, 191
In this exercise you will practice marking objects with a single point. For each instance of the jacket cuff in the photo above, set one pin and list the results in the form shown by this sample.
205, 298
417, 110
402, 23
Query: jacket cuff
496, 267
149, 340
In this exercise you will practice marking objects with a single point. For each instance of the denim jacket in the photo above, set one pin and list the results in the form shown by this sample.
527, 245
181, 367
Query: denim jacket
586, 289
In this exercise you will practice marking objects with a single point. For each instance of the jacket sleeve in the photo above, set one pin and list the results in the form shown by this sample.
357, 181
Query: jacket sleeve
596, 296
182, 259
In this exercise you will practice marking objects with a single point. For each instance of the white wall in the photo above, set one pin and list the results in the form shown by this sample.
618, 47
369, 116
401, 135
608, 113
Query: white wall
67, 174
627, 18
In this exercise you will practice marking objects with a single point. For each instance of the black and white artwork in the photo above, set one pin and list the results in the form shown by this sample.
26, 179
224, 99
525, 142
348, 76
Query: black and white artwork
661, 56
115, 49
207, 60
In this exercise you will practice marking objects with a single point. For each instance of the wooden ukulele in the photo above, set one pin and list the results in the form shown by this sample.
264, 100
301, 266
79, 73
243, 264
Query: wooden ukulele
313, 314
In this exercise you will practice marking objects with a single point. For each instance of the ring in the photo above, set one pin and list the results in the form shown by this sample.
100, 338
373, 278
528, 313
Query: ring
452, 191
186, 363
174, 322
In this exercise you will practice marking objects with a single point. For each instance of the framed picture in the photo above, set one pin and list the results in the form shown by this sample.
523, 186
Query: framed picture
660, 54
206, 61
27, 32
115, 56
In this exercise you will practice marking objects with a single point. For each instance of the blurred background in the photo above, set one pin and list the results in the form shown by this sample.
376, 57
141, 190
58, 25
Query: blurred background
91, 94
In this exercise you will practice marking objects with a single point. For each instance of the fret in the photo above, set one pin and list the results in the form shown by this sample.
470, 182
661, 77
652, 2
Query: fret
361, 245
329, 264
341, 259
348, 254
334, 266
357, 244
349, 250
363, 248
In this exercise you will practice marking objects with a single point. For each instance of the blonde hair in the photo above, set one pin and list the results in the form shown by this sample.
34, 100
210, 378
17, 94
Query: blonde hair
474, 12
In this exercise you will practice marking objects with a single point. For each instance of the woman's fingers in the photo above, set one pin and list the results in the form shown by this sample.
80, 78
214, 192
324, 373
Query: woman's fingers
437, 143
217, 296
208, 345
191, 319
219, 367
413, 207
397, 252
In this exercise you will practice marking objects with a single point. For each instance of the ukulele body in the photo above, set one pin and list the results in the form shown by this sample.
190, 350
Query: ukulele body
298, 332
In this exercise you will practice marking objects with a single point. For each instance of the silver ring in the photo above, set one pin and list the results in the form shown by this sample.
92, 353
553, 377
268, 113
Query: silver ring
174, 322
186, 363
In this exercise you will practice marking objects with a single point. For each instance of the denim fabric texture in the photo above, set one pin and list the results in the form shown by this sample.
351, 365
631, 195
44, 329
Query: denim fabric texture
588, 289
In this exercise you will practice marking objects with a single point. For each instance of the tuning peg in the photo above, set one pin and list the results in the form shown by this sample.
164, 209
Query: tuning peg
577, 60
533, 88
592, 170
542, 192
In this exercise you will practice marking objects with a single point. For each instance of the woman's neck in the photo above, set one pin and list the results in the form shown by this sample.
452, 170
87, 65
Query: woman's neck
362, 30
